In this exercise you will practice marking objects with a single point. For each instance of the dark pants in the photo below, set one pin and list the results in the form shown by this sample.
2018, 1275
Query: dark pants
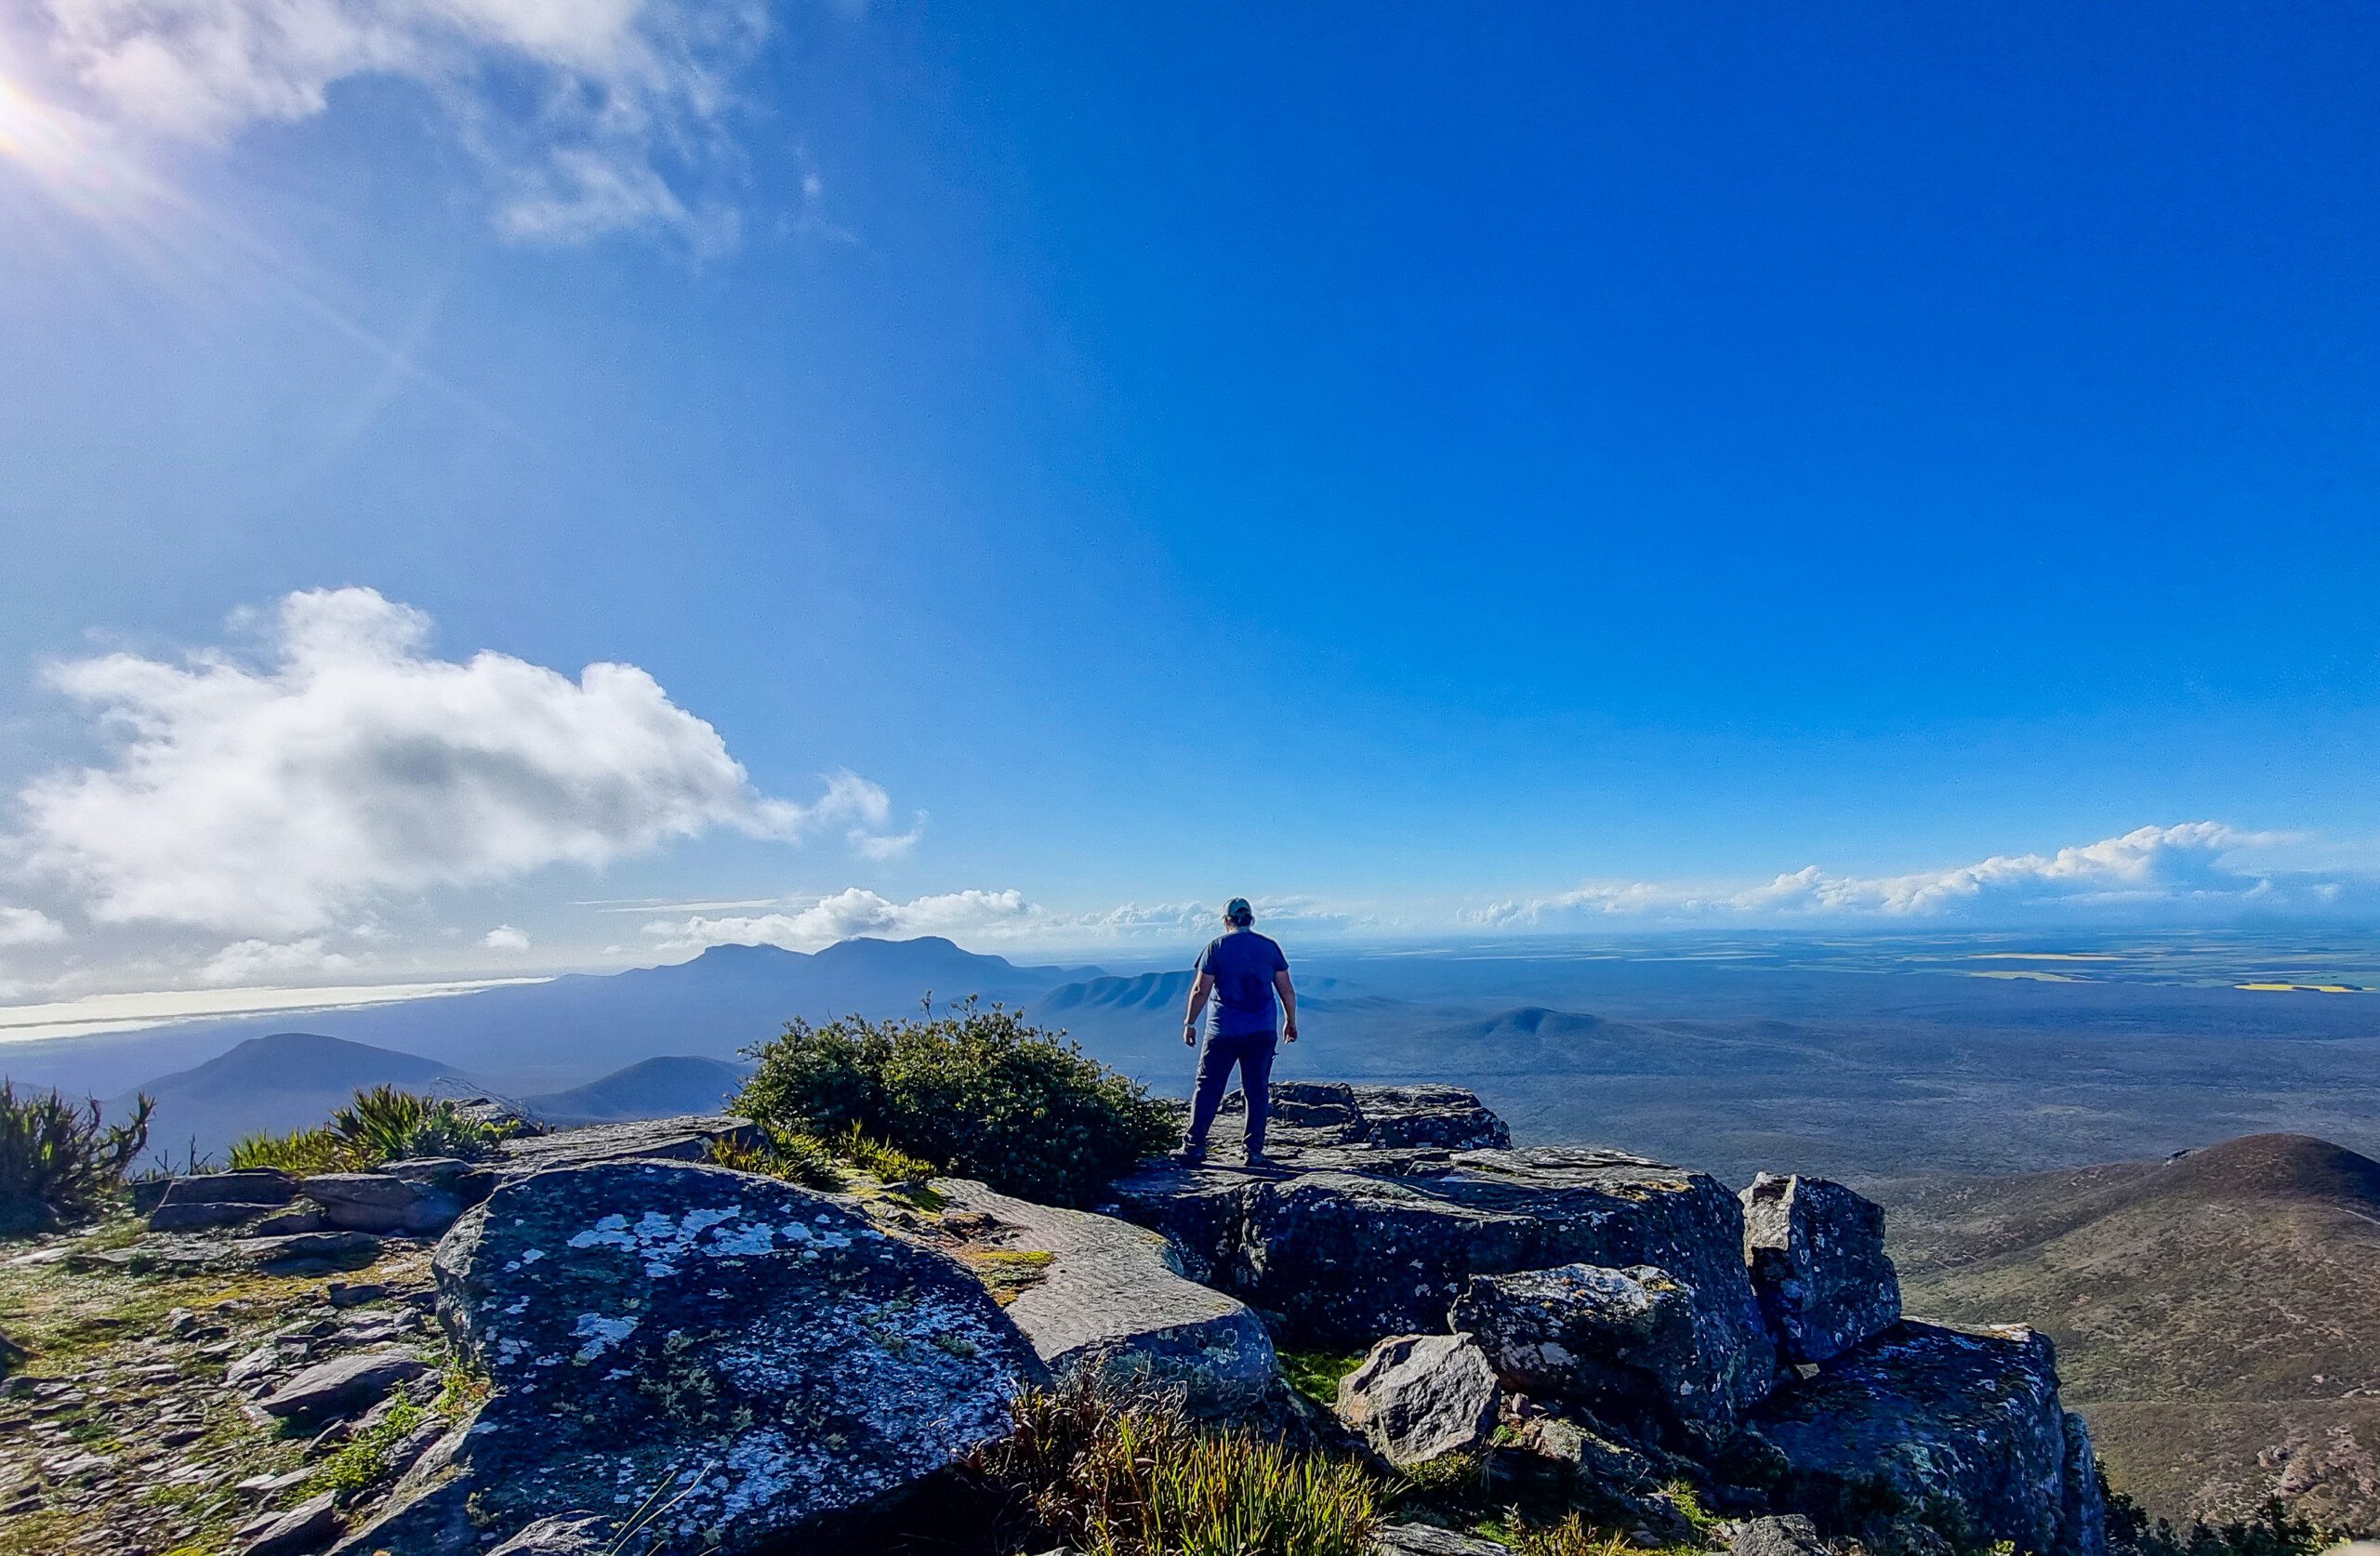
1252, 1052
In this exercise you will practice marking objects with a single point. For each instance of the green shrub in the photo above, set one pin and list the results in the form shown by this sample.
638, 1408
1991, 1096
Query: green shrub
1109, 1475
979, 1093
381, 1125
60, 1162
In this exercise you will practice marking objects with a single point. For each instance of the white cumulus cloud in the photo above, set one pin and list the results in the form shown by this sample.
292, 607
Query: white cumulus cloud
589, 116
2148, 868
262, 961
24, 926
504, 937
278, 798
972, 917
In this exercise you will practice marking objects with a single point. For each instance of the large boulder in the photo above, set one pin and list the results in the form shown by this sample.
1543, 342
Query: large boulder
1108, 1296
1348, 1249
1633, 1345
761, 1358
343, 1384
1816, 1255
1958, 1430
1322, 1115
1421, 1397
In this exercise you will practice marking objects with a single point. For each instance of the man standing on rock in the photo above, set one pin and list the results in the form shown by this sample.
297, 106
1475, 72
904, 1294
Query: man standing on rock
1241, 969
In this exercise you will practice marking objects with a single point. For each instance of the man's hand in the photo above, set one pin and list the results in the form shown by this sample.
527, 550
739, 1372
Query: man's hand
1189, 1034
1289, 1030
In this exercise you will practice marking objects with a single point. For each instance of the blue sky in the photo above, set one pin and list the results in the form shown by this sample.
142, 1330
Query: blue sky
1433, 472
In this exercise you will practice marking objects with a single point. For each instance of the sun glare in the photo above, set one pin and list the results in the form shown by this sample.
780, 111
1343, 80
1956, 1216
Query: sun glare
68, 155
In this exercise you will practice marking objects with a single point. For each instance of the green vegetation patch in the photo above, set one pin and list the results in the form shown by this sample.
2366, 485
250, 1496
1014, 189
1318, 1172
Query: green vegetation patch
382, 1125
1315, 1374
973, 1092
59, 1162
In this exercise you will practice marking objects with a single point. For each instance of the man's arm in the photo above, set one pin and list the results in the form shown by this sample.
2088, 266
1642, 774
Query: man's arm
1289, 1004
1199, 988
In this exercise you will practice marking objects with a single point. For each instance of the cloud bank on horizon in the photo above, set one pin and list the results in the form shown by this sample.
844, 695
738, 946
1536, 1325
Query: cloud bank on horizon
587, 117
308, 807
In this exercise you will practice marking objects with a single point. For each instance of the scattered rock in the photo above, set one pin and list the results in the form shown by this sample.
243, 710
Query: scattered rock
341, 1295
342, 1384
1816, 1255
1634, 1346
378, 1202
570, 1534
1111, 1297
310, 1250
756, 1351
290, 1222
1427, 1539
1789, 1536
306, 1527
1419, 1397
1960, 1427
1579, 1450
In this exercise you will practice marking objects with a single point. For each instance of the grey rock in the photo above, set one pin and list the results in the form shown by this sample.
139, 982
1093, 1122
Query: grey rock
1310, 1116
1348, 1254
310, 1250
1582, 1451
756, 1351
1963, 1428
256, 1366
1112, 1299
499, 1113
342, 1384
340, 1294
578, 1533
1816, 1255
204, 1217
1419, 1397
1634, 1346
677, 1139
291, 1222
208, 1200
1791, 1534
377, 1202
1427, 1539
307, 1526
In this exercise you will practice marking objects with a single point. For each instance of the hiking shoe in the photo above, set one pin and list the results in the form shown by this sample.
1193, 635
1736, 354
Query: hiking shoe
1190, 1155
1258, 1160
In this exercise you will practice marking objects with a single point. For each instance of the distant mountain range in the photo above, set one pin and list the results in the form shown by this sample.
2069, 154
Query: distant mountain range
2214, 1314
650, 1088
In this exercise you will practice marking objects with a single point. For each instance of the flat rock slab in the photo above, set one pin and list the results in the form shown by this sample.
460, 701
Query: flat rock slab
380, 1202
306, 1527
310, 1250
760, 1356
1111, 1297
1957, 1425
343, 1384
1427, 1539
686, 1138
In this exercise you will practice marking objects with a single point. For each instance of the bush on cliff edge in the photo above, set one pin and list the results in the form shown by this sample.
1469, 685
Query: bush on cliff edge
980, 1093
60, 1162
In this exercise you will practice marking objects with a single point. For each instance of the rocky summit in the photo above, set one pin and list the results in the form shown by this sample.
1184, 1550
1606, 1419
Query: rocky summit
628, 1337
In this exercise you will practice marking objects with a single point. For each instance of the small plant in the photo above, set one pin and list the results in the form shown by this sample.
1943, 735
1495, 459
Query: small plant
887, 1163
60, 1162
1315, 1374
798, 1159
382, 1125
1109, 1475
363, 1462
980, 1093
1571, 1537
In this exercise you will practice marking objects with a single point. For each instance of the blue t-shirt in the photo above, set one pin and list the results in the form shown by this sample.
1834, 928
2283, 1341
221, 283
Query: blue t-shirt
1242, 965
